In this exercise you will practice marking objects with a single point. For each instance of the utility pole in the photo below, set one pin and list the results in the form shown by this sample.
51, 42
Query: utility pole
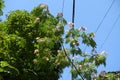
73, 12
73, 18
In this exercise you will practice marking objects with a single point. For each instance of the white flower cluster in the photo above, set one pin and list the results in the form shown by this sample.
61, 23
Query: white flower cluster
36, 51
37, 20
74, 57
92, 35
43, 6
104, 53
59, 27
70, 24
37, 38
67, 31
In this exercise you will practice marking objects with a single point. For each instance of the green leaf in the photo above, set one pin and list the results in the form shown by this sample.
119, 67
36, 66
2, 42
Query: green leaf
3, 64
1, 69
1, 6
79, 51
67, 40
92, 43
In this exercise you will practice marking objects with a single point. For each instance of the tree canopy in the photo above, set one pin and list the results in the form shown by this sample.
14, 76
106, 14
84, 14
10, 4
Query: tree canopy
32, 47
1, 6
29, 44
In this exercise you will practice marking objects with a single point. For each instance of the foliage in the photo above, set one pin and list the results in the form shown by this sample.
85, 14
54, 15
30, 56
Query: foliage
29, 45
108, 75
85, 64
1, 6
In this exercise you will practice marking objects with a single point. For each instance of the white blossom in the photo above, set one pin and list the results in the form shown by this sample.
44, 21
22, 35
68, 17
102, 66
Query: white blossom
70, 24
92, 35
36, 51
58, 51
37, 38
37, 19
67, 31
43, 6
74, 43
80, 66
74, 57
59, 27
47, 59
104, 53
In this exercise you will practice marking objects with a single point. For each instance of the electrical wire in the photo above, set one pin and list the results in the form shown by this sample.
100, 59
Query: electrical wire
104, 16
113, 26
99, 25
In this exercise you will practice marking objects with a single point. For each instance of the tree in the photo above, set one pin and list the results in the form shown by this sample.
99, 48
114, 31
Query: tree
87, 64
32, 47
1, 6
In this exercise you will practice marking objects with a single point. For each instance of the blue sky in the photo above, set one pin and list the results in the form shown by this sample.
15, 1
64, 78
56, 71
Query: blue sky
89, 13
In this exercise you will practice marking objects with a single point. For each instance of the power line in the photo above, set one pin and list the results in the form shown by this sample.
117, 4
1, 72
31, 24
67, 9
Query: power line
104, 16
102, 20
113, 26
